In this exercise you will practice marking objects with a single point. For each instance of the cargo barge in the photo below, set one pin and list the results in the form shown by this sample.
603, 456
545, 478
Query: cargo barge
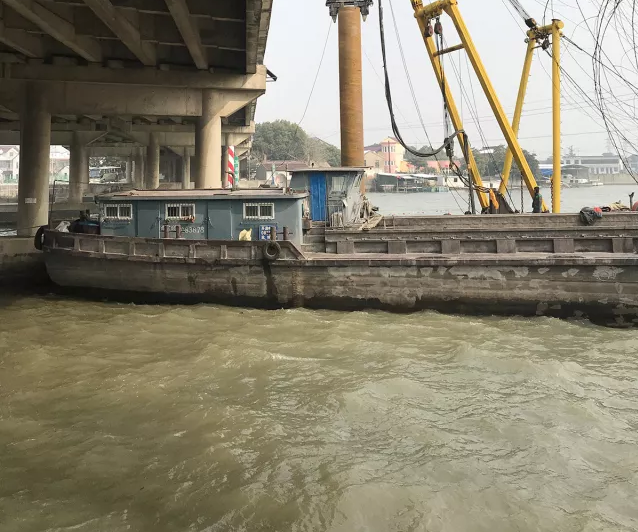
320, 245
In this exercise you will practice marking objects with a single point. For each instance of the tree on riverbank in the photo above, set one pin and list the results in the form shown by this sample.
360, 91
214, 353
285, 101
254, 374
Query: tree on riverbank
282, 140
491, 164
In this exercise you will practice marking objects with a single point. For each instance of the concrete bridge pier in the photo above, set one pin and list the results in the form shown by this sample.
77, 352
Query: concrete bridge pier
208, 138
35, 140
208, 134
186, 169
138, 168
153, 162
78, 169
129, 170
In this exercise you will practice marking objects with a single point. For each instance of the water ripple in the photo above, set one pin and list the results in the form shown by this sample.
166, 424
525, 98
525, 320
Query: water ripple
122, 417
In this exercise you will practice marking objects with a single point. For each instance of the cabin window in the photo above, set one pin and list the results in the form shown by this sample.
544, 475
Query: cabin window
180, 211
123, 211
259, 211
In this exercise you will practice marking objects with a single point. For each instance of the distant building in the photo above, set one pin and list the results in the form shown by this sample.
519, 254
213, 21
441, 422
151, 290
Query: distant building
406, 167
391, 152
607, 163
10, 163
374, 161
59, 158
441, 166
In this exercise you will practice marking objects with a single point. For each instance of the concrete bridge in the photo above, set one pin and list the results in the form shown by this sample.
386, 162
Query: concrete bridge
130, 78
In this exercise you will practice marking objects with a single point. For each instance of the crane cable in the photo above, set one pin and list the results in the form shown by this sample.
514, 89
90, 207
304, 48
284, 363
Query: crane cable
388, 97
529, 21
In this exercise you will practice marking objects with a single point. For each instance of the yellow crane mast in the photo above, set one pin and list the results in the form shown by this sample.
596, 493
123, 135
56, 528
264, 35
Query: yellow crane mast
432, 12
539, 36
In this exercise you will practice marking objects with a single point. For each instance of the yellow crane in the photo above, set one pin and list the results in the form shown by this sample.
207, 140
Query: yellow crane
539, 37
426, 15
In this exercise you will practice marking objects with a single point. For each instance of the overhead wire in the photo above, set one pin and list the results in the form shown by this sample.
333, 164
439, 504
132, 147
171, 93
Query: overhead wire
414, 126
604, 96
409, 78
312, 90
388, 95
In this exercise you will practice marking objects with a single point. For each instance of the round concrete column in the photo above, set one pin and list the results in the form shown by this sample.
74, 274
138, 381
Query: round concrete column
35, 141
186, 169
208, 139
138, 169
129, 170
78, 170
152, 163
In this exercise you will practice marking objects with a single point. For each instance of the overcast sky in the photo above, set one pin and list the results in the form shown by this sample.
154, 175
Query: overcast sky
298, 33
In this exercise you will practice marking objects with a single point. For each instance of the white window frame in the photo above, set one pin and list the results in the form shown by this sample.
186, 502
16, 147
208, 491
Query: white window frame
181, 216
119, 216
260, 216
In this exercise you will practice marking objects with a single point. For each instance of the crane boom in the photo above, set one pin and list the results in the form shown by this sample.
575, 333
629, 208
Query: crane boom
425, 14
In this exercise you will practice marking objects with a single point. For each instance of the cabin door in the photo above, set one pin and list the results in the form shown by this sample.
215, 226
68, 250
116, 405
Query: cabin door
149, 219
318, 197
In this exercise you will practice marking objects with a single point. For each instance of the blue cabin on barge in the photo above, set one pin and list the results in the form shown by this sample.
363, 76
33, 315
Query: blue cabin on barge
202, 214
334, 194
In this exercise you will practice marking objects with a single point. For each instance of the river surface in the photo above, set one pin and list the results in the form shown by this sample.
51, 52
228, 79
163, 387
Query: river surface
119, 417
456, 202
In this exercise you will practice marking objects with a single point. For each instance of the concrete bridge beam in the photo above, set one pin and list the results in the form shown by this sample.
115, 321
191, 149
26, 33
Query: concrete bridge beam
235, 139
35, 140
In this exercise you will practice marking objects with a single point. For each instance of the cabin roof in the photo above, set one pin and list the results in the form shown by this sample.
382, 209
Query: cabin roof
200, 194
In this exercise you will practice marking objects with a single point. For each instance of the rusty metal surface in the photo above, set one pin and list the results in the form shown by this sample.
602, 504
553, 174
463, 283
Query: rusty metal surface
350, 87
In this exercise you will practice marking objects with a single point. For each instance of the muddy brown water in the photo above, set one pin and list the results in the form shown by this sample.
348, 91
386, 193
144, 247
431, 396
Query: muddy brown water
119, 417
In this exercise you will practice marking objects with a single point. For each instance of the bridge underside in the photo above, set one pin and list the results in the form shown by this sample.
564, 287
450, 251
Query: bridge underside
133, 78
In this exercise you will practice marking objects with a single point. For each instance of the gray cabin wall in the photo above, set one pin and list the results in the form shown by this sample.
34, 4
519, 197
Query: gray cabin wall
287, 214
221, 219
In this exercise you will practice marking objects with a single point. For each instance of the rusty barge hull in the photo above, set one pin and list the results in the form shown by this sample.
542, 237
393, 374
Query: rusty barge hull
602, 287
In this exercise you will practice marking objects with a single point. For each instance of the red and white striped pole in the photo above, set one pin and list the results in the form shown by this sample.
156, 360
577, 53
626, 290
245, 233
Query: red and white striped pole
230, 171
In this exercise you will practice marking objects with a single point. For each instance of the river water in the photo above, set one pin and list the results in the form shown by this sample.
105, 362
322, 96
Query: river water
119, 417
456, 202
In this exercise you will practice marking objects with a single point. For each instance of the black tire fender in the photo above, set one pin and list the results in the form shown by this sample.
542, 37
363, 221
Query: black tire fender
272, 251
38, 239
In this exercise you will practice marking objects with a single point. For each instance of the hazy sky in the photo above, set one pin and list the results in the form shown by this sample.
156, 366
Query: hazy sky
298, 33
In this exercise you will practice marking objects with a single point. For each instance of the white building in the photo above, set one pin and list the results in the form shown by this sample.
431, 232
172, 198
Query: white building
10, 163
605, 164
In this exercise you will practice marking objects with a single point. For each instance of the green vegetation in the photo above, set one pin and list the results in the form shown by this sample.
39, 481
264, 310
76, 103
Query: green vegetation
282, 140
489, 164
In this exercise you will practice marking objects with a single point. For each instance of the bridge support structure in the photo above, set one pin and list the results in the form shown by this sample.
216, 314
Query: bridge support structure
35, 139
